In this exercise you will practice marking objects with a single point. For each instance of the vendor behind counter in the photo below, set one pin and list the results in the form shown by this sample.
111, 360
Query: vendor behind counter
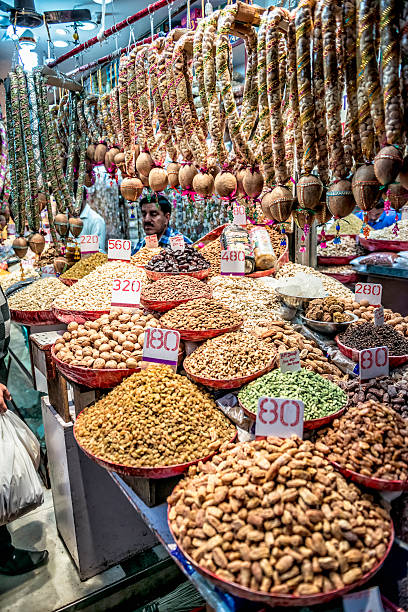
378, 218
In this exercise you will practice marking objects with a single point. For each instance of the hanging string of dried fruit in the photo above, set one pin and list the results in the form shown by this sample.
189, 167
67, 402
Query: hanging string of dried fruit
286, 108
404, 61
114, 109
322, 159
35, 133
3, 160
17, 206
124, 111
263, 110
293, 91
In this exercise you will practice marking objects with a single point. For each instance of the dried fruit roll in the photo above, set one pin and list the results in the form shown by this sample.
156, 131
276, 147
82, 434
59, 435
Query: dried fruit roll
350, 69
263, 108
404, 59
249, 108
163, 90
114, 108
390, 54
293, 90
107, 119
130, 68
318, 90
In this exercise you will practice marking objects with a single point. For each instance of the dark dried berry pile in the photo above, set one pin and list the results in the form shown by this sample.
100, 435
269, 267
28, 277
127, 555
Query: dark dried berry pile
367, 335
168, 260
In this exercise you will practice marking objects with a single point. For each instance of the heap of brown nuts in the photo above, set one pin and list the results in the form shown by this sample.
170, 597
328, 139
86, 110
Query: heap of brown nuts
329, 309
201, 314
371, 439
383, 389
154, 418
114, 341
274, 515
176, 288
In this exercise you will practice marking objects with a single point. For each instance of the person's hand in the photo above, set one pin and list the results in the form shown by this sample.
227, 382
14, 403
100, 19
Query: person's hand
4, 395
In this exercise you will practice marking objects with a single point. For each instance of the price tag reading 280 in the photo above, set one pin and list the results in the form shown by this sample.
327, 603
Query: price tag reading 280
372, 292
374, 362
161, 345
280, 417
126, 292
233, 262
119, 249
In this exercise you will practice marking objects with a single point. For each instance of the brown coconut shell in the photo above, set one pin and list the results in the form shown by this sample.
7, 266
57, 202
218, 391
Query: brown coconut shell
144, 163
131, 189
365, 187
75, 226
158, 179
88, 165
403, 173
100, 152
173, 174
187, 173
90, 152
60, 264
225, 184
323, 215
61, 224
340, 199
41, 201
112, 154
89, 179
387, 164
309, 190
301, 217
20, 246
119, 161
36, 242
203, 184
252, 182
280, 202
144, 180
240, 178
397, 195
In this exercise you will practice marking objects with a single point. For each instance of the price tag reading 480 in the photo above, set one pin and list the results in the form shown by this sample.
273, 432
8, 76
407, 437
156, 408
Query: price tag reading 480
280, 417
233, 262
161, 345
119, 249
372, 292
126, 292
374, 362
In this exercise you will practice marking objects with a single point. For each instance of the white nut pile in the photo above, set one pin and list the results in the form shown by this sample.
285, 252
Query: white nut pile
387, 233
94, 291
37, 296
333, 287
7, 280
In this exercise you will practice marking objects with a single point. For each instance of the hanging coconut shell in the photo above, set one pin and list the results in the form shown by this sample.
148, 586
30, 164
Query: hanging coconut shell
112, 154
280, 203
403, 173
88, 165
90, 152
119, 161
158, 179
252, 182
239, 175
225, 184
187, 173
61, 224
89, 179
144, 180
36, 242
75, 226
397, 195
131, 189
309, 190
323, 215
302, 217
100, 152
366, 188
60, 264
20, 246
387, 164
41, 201
173, 174
203, 184
339, 199
144, 163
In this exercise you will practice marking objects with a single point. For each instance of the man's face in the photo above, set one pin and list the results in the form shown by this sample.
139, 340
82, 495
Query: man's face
154, 220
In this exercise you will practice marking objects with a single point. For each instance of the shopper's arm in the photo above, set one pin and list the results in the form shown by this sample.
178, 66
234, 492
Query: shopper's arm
4, 395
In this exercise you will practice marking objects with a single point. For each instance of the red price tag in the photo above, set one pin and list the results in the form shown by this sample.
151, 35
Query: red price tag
368, 600
239, 215
119, 249
152, 242
379, 316
372, 292
280, 417
289, 361
177, 243
161, 345
233, 262
126, 292
374, 362
89, 244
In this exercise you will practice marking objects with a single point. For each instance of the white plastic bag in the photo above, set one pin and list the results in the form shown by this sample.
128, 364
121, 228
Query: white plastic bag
20, 486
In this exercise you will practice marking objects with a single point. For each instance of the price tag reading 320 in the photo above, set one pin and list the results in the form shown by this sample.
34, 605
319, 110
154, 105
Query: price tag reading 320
89, 244
239, 215
374, 362
280, 417
161, 345
233, 262
372, 292
126, 292
119, 249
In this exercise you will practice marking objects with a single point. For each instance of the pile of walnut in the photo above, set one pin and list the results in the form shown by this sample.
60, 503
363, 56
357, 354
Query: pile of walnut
275, 516
114, 341
329, 309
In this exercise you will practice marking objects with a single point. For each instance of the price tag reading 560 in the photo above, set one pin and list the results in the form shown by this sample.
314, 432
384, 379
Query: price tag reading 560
372, 292
280, 417
119, 249
374, 362
233, 262
161, 345
126, 292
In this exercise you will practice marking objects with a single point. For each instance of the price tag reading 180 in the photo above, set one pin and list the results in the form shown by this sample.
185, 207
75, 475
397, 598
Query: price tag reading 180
161, 345
233, 262
239, 215
280, 417
119, 249
372, 292
89, 244
374, 362
126, 292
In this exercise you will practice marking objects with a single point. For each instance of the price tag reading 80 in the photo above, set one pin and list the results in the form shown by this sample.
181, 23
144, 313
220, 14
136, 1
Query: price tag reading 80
119, 249
233, 262
239, 215
126, 292
161, 345
279, 416
374, 362
372, 292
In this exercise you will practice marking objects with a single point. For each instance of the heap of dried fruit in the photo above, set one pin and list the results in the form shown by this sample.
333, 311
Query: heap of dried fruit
85, 266
384, 389
367, 335
201, 314
144, 255
328, 309
175, 288
177, 262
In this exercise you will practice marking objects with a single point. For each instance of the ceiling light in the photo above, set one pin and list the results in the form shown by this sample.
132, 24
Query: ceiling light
60, 43
61, 31
86, 25
100, 1
27, 40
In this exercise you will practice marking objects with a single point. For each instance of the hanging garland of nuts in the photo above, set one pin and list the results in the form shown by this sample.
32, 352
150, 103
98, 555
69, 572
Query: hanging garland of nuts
322, 158
16, 203
390, 54
293, 91
263, 107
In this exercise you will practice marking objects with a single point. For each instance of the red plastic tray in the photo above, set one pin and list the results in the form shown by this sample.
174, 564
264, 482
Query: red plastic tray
281, 600
379, 484
80, 316
346, 279
33, 317
154, 276
205, 334
383, 245
351, 353
335, 261
164, 306
68, 281
232, 383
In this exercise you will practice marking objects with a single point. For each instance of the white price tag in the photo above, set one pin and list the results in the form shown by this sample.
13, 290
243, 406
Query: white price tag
89, 244
161, 345
372, 292
177, 243
119, 249
363, 601
379, 316
289, 361
239, 215
279, 416
233, 262
152, 242
404, 213
373, 362
126, 292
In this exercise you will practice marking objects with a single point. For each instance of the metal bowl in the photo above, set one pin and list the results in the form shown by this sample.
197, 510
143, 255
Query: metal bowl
294, 301
329, 327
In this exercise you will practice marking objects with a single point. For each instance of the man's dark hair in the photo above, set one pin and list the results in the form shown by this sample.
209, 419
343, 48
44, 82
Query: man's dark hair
160, 200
